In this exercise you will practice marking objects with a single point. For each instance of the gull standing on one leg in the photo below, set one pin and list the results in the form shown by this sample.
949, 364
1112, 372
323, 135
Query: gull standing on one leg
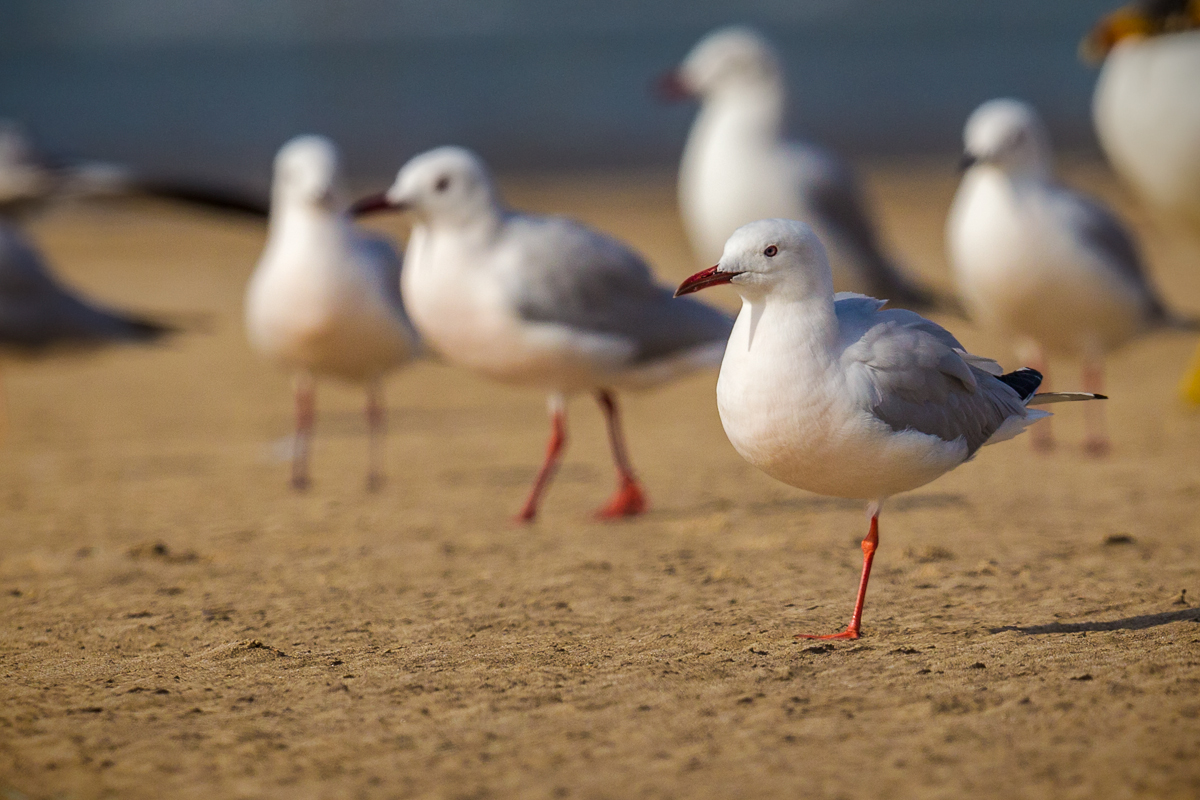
837, 395
540, 301
325, 296
1041, 263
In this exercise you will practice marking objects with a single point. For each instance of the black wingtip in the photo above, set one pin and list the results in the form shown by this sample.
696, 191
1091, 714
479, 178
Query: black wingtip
148, 330
1024, 381
219, 198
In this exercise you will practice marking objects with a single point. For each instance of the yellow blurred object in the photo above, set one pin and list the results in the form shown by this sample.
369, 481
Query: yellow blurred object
1189, 387
1138, 20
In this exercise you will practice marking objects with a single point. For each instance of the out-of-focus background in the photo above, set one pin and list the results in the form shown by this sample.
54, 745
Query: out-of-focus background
179, 87
176, 621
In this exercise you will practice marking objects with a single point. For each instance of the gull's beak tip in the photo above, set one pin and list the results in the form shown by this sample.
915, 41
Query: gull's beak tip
375, 203
670, 88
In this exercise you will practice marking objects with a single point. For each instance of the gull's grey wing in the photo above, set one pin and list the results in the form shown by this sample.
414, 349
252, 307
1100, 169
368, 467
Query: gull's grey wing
912, 377
581, 279
832, 193
37, 312
1099, 230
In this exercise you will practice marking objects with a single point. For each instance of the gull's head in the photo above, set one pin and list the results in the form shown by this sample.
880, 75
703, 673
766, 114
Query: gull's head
449, 183
307, 173
732, 59
769, 256
1007, 134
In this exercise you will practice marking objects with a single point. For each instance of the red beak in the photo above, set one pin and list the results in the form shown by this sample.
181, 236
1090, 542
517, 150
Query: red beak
704, 279
373, 205
670, 88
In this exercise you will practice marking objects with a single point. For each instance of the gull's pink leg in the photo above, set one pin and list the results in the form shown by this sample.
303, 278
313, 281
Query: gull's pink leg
376, 431
554, 449
869, 546
306, 399
629, 499
1095, 442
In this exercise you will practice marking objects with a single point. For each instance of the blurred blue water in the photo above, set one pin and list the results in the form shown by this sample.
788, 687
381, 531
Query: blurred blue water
212, 87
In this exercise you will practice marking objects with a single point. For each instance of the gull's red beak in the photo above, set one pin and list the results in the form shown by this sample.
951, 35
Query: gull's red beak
704, 279
374, 204
670, 88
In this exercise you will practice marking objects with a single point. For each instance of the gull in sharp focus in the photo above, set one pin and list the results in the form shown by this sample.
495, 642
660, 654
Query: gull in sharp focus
324, 299
1050, 268
543, 302
837, 395
1146, 109
738, 167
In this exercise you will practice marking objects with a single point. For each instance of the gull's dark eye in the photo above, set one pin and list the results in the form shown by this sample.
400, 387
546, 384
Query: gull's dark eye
443, 184
770, 251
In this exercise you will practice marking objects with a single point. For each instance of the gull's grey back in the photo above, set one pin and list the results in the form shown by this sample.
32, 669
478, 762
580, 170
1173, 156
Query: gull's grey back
573, 276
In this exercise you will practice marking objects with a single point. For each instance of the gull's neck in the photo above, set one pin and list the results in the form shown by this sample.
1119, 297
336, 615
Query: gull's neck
747, 114
479, 222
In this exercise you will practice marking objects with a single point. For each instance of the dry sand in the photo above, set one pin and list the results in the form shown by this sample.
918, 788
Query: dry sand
177, 623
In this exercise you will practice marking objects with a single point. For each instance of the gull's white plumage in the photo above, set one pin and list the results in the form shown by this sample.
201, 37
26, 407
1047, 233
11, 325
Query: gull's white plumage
1146, 109
324, 299
1050, 268
838, 395
738, 167
806, 374
539, 301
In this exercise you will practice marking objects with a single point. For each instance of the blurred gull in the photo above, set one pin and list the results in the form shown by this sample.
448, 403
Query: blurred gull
39, 315
1146, 109
29, 179
1045, 265
325, 297
737, 167
542, 302
837, 395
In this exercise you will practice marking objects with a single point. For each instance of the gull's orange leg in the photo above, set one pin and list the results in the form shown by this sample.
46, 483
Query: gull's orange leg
554, 449
629, 499
869, 545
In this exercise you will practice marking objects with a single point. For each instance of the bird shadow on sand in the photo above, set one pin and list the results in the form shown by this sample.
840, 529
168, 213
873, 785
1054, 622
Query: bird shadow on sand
1137, 623
816, 503
811, 503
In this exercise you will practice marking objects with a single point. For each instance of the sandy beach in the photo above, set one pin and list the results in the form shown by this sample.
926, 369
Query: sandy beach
177, 623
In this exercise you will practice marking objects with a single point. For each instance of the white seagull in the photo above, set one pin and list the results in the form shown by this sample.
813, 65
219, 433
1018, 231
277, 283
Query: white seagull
1146, 109
837, 395
542, 302
1045, 265
324, 299
738, 167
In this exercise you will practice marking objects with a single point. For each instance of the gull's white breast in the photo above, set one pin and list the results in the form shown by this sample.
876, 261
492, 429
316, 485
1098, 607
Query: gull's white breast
788, 408
1020, 270
1147, 114
316, 301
